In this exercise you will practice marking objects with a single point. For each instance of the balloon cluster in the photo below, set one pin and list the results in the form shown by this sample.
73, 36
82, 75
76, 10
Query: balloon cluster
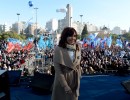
30, 4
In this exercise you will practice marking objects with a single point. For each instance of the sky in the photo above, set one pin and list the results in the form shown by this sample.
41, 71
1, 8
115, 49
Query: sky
110, 13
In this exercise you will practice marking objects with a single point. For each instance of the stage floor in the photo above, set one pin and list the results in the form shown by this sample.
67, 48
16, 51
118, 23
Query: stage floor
93, 87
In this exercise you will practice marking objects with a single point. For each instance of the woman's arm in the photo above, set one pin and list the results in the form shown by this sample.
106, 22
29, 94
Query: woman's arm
60, 75
58, 71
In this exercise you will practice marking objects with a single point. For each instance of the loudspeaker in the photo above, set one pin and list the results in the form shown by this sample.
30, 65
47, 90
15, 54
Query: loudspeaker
14, 77
4, 86
126, 85
42, 82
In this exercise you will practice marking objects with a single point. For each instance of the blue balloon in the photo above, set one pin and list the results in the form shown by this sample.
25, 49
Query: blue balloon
30, 3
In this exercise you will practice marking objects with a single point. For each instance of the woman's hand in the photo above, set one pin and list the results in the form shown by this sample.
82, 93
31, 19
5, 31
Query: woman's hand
68, 90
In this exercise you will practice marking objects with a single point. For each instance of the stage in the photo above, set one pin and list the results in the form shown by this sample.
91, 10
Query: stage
93, 87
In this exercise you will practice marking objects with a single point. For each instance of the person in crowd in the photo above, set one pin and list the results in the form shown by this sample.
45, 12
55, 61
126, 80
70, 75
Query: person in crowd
25, 71
36, 69
67, 56
52, 70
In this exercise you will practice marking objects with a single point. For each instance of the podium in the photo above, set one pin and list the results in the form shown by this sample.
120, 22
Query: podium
4, 85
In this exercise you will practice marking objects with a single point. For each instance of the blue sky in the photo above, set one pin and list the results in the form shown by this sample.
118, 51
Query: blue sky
110, 13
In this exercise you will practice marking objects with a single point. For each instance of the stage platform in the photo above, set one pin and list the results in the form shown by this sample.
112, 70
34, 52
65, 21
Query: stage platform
93, 87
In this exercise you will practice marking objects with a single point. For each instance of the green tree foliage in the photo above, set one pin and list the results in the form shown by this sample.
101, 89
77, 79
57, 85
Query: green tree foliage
101, 35
79, 36
84, 32
126, 36
11, 34
114, 37
28, 35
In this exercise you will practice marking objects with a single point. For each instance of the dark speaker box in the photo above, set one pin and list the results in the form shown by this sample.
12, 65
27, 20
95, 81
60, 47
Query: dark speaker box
126, 85
4, 86
42, 82
14, 77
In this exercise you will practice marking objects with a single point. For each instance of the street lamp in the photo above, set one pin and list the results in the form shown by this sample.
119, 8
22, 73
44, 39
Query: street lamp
36, 19
18, 16
81, 18
18, 22
70, 21
81, 23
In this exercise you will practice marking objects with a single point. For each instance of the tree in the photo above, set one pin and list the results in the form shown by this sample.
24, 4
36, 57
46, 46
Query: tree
84, 32
79, 36
10, 34
126, 36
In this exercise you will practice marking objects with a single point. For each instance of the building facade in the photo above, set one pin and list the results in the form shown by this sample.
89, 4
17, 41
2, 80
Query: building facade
117, 30
52, 25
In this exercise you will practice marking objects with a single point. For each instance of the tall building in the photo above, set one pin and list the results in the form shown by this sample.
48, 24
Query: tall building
4, 28
129, 29
92, 27
61, 25
69, 15
68, 22
52, 25
78, 26
18, 27
117, 30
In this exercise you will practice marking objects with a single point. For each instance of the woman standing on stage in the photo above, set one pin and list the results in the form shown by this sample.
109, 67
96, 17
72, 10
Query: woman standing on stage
67, 56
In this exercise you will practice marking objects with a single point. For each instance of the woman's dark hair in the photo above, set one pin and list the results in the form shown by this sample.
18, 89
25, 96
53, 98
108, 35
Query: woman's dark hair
68, 31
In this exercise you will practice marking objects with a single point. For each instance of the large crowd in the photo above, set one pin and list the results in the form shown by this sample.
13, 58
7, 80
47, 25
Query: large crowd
94, 60
104, 60
24, 60
13, 60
